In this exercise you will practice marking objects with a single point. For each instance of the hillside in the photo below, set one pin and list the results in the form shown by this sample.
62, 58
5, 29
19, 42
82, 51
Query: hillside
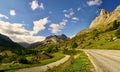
102, 34
7, 44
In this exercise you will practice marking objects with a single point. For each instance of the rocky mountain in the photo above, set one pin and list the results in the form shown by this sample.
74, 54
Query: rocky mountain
103, 33
106, 17
53, 39
33, 45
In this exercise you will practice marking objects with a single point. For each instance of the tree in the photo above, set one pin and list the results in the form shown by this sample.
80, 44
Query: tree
74, 45
117, 33
23, 60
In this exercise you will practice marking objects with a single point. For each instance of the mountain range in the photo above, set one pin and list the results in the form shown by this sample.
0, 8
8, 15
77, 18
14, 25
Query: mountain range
100, 34
52, 39
102, 31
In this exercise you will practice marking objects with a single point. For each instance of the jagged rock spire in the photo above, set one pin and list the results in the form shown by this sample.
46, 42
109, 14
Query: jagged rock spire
103, 12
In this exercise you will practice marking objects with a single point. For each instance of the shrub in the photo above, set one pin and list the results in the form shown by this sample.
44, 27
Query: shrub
23, 60
117, 33
6, 60
74, 45
69, 52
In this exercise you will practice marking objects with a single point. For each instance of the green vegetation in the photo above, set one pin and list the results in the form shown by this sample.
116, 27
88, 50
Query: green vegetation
104, 36
118, 33
26, 62
81, 64
57, 56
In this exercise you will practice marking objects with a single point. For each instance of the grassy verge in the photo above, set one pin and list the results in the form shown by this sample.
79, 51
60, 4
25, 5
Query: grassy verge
81, 64
13, 67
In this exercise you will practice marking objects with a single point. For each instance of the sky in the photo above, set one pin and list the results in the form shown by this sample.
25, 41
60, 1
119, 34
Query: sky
33, 20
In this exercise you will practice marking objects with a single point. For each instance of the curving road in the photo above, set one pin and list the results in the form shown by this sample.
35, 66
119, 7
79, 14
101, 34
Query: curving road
105, 60
45, 67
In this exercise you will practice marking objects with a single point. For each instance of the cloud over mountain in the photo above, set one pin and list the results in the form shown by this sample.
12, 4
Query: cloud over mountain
18, 33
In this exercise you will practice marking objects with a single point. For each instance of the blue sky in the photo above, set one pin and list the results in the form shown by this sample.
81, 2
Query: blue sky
33, 20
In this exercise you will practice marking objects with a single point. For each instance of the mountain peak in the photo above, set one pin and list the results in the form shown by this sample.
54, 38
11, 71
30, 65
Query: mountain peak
106, 17
117, 8
103, 12
55, 38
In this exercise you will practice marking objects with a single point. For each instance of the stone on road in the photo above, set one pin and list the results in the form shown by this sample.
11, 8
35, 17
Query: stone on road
105, 60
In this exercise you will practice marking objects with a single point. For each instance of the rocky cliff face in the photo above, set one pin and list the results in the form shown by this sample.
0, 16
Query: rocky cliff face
55, 39
106, 17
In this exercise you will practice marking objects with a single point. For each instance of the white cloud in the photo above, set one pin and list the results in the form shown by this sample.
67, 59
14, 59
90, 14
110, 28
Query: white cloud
55, 28
18, 33
39, 25
78, 9
71, 13
67, 15
12, 12
12, 29
63, 23
94, 2
3, 16
35, 5
65, 11
75, 18
41, 6
28, 39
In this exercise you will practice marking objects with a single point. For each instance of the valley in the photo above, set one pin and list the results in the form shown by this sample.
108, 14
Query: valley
94, 49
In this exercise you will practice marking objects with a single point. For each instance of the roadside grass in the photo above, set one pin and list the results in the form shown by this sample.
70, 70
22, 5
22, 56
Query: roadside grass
13, 67
105, 40
80, 64
102, 44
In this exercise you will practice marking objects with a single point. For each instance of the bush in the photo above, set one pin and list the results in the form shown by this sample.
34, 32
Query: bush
69, 52
74, 45
117, 33
6, 60
23, 60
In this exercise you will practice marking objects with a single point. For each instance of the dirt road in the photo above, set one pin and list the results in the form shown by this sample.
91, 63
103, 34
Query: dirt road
105, 60
45, 67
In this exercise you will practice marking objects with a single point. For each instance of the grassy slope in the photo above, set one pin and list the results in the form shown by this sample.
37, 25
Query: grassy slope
105, 41
12, 67
81, 64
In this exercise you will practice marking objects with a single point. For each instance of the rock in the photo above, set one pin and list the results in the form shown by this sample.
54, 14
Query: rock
106, 17
55, 39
